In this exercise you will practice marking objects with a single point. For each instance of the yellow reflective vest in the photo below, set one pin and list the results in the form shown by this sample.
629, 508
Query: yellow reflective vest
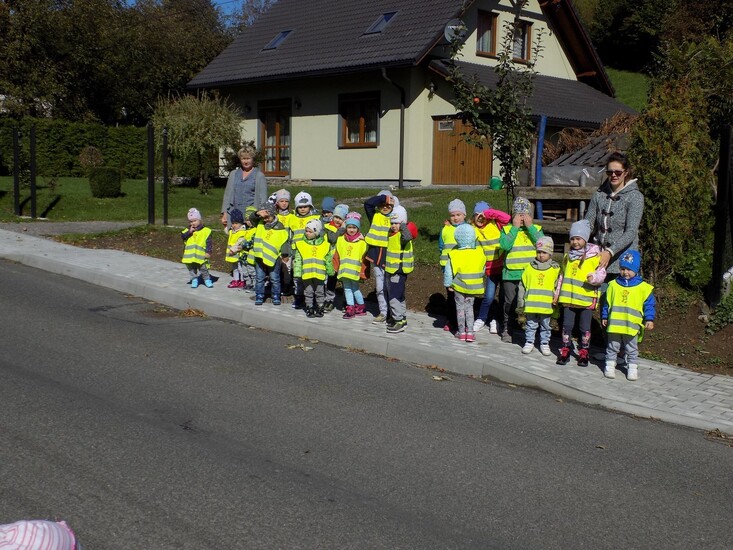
378, 234
523, 251
575, 290
539, 289
626, 307
313, 257
267, 244
285, 218
350, 257
296, 224
488, 238
234, 236
397, 257
249, 235
195, 250
467, 265
448, 238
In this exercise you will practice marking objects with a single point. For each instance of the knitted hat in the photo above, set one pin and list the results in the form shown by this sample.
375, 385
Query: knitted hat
545, 244
282, 194
316, 226
398, 215
341, 211
480, 207
272, 198
236, 216
631, 259
581, 229
328, 204
268, 207
465, 236
303, 199
521, 206
353, 218
193, 214
456, 205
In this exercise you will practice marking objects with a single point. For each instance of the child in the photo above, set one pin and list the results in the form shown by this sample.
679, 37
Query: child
235, 248
282, 206
350, 250
197, 251
464, 278
578, 290
248, 258
399, 263
304, 212
489, 224
312, 263
332, 230
446, 242
518, 241
629, 309
327, 207
378, 209
270, 243
536, 293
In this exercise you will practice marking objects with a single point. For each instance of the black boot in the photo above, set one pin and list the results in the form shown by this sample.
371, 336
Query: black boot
319, 311
310, 312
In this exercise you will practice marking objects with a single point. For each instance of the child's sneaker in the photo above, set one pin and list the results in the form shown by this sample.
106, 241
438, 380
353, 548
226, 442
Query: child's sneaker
446, 327
209, 283
194, 283
379, 319
583, 356
461, 336
233, 284
398, 326
632, 372
610, 369
528, 347
493, 329
470, 337
506, 338
359, 310
276, 300
328, 306
545, 350
478, 324
259, 300
310, 312
564, 357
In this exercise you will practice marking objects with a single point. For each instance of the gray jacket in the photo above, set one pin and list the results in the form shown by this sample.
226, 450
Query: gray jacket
241, 193
614, 220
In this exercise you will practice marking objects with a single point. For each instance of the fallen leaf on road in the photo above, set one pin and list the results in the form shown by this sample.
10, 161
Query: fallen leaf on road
600, 446
299, 346
441, 378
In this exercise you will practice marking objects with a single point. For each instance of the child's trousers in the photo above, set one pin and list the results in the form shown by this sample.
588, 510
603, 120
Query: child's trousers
617, 342
264, 271
196, 269
464, 311
380, 283
352, 293
394, 292
314, 291
535, 321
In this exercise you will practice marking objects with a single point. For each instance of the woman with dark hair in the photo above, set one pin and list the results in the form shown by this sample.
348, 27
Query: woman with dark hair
246, 186
614, 214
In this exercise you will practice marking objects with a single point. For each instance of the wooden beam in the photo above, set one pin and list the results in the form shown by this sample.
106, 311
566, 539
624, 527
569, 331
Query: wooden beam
556, 193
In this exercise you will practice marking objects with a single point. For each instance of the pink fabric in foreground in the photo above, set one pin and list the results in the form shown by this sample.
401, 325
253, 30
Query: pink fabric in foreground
37, 535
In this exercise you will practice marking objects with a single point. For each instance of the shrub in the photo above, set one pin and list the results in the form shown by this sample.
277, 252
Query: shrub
105, 182
90, 157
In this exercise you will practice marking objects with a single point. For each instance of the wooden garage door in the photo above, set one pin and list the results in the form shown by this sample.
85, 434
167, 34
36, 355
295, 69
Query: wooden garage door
455, 162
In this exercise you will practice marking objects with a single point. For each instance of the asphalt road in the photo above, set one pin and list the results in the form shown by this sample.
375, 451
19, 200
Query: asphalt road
146, 429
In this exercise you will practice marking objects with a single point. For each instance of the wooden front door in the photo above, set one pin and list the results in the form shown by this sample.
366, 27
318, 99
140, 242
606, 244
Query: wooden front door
275, 138
455, 162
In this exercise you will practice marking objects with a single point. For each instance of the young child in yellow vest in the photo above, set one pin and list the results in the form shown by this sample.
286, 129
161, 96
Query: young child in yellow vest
333, 221
536, 293
378, 210
399, 263
235, 247
518, 241
312, 263
464, 278
578, 290
350, 250
446, 242
282, 209
628, 310
304, 212
489, 224
247, 260
270, 244
197, 249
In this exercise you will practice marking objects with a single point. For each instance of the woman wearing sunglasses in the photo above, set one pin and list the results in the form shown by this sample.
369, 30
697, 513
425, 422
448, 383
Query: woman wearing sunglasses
614, 214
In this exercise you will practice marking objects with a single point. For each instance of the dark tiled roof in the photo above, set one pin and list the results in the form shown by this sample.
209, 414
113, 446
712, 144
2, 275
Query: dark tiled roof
564, 102
328, 37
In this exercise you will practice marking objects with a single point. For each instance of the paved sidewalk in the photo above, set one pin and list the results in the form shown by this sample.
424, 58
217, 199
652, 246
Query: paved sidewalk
664, 392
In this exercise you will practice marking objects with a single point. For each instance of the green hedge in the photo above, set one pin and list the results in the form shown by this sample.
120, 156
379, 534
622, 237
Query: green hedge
105, 182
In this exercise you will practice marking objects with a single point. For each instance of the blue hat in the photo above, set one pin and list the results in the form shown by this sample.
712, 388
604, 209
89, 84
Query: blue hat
480, 207
631, 259
465, 236
353, 218
236, 216
341, 211
328, 204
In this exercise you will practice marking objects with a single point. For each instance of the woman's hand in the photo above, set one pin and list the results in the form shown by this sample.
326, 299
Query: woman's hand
605, 259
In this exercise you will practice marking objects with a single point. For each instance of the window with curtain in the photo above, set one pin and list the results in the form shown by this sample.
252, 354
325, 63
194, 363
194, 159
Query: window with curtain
522, 43
359, 120
486, 37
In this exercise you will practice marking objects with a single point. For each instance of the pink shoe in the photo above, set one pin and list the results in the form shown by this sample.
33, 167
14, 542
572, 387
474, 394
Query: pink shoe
360, 309
470, 337
446, 327
233, 284
462, 336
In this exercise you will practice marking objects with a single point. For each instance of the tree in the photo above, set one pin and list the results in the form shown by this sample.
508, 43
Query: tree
499, 118
197, 127
248, 12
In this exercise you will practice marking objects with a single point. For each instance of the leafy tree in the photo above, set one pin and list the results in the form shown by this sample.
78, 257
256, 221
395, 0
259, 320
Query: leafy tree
197, 127
248, 12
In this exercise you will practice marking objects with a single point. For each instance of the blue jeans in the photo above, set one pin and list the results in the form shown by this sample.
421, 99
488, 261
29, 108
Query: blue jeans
492, 283
534, 321
263, 271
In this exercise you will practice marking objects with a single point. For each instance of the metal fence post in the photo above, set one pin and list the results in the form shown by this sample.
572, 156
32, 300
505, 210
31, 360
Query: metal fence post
33, 171
165, 176
723, 232
151, 175
16, 171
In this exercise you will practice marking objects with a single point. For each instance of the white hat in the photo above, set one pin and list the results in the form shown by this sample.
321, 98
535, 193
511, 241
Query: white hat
303, 199
316, 226
398, 215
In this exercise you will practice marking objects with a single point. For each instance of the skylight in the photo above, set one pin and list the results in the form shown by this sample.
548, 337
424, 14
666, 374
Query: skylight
275, 42
381, 22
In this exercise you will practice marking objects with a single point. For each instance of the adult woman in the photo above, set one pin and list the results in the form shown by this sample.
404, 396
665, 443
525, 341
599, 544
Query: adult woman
246, 186
614, 214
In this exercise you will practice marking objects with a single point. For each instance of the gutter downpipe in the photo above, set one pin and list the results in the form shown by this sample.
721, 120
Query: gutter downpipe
400, 181
538, 170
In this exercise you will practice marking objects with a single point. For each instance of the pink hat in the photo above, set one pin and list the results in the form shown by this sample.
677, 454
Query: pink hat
193, 214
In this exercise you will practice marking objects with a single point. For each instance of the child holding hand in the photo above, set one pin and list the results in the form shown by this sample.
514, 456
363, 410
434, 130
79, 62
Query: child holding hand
197, 249
235, 247
350, 249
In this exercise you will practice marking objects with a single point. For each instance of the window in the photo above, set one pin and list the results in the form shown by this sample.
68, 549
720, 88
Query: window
522, 41
275, 136
275, 42
380, 23
486, 38
359, 122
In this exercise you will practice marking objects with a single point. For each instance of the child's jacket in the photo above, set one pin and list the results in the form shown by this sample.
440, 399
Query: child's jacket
537, 289
270, 242
488, 238
296, 224
198, 245
351, 256
628, 305
235, 244
519, 243
313, 259
574, 288
447, 241
464, 270
400, 257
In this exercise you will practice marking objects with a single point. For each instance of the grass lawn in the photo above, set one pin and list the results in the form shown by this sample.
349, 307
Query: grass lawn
631, 88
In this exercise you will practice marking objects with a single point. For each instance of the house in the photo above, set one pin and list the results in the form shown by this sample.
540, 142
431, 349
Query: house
354, 93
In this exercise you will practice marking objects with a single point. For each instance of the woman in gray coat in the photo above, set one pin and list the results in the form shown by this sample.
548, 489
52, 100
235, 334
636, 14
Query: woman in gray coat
246, 186
614, 214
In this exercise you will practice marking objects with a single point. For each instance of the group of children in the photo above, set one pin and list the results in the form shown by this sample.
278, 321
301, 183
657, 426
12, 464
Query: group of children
473, 254
305, 252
